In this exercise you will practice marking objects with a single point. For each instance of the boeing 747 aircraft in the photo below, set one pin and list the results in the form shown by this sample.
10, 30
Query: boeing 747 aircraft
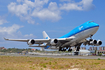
74, 38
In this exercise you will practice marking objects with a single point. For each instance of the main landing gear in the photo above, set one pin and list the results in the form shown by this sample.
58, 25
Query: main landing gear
77, 49
69, 50
63, 49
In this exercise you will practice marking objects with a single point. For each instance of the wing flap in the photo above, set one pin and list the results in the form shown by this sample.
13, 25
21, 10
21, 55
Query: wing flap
38, 41
66, 39
21, 40
42, 40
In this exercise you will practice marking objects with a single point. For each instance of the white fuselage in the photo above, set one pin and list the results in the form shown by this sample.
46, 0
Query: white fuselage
79, 37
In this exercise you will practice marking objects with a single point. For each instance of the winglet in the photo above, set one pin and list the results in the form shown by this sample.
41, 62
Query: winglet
6, 39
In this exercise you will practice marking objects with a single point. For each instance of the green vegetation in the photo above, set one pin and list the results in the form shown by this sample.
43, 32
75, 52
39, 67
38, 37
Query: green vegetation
99, 59
15, 50
100, 54
44, 63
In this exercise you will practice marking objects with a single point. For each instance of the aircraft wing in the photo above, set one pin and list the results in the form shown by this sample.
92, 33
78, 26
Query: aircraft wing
42, 41
66, 39
21, 40
37, 41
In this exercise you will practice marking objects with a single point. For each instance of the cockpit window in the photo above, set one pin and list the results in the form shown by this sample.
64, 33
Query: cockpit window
91, 21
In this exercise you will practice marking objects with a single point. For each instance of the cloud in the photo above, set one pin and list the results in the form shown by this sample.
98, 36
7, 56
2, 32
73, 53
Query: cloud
13, 32
27, 10
65, 0
45, 10
2, 20
70, 6
87, 4
18, 9
10, 30
19, 0
29, 36
82, 5
51, 13
21, 11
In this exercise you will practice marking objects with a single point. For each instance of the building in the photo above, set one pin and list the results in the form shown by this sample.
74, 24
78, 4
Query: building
84, 52
90, 48
94, 48
2, 48
42, 49
83, 48
101, 50
32, 49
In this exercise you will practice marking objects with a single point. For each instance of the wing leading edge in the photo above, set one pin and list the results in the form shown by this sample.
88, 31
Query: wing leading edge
40, 41
26, 40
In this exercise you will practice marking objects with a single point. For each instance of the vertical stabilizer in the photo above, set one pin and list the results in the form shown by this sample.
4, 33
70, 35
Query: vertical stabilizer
45, 36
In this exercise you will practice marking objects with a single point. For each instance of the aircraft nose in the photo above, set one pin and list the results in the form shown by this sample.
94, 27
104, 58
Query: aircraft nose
95, 24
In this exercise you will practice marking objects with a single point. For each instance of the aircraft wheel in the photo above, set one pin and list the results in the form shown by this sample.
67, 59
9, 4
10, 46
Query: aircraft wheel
60, 48
66, 47
78, 48
69, 50
63, 50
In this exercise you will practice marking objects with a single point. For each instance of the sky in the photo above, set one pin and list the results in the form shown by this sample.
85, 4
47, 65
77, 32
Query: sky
26, 19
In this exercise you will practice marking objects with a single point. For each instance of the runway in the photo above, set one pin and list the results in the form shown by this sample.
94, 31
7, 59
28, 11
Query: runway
60, 56
73, 57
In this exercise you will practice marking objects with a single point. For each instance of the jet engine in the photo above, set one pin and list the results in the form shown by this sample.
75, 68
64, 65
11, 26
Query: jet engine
53, 42
31, 42
99, 42
93, 42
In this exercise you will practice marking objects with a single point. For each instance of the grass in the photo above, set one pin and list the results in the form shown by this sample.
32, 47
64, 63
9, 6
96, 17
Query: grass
44, 63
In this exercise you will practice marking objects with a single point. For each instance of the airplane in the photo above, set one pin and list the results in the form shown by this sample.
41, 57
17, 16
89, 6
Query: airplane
74, 38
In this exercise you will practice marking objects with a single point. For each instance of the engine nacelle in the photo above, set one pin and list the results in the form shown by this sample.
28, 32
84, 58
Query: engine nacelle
53, 42
31, 42
99, 42
93, 42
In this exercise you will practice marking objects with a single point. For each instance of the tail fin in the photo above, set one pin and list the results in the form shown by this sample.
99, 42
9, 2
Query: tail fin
45, 36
